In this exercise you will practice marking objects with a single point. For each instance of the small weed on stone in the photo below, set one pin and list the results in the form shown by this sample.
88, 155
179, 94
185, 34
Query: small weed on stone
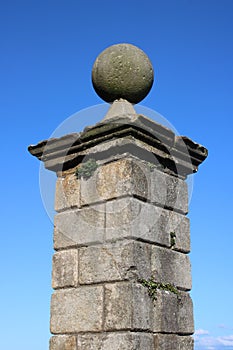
154, 286
87, 169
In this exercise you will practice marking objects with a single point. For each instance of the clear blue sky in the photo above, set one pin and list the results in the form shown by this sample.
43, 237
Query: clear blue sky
47, 51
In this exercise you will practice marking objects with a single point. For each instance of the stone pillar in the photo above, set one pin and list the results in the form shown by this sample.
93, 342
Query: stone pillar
121, 270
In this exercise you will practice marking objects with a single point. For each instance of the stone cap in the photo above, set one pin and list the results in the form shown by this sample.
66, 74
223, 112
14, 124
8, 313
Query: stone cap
122, 71
114, 137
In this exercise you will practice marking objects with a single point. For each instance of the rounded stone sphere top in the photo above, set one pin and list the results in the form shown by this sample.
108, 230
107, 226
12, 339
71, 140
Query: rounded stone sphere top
122, 71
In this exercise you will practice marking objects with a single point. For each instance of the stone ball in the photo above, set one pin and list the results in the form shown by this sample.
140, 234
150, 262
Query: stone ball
122, 71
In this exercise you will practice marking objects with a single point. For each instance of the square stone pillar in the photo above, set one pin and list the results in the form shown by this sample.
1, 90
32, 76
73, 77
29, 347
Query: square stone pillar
121, 269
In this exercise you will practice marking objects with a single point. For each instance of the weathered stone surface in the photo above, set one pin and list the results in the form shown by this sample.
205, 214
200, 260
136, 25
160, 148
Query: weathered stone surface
118, 306
91, 341
172, 267
132, 177
63, 342
172, 342
77, 310
129, 217
127, 306
177, 194
125, 218
65, 269
168, 191
118, 109
122, 71
166, 313
132, 218
115, 261
180, 226
178, 154
67, 192
185, 315
116, 341
185, 343
118, 178
60, 240
172, 313
79, 227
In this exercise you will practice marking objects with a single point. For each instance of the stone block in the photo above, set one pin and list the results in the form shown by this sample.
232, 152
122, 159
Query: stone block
116, 341
79, 227
63, 342
185, 343
91, 341
118, 178
127, 306
132, 218
121, 260
65, 269
180, 226
67, 192
125, 218
172, 267
132, 177
89, 190
172, 342
177, 194
185, 315
168, 191
142, 308
77, 310
173, 313
61, 240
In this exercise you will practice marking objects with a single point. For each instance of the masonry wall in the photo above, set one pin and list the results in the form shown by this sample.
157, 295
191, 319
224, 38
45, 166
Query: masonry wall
124, 225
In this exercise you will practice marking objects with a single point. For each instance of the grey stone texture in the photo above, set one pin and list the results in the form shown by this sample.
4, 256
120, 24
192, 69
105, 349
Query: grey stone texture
178, 155
125, 260
63, 342
132, 218
127, 306
121, 219
117, 307
62, 240
65, 269
67, 193
116, 341
171, 267
120, 109
111, 231
114, 262
79, 227
118, 178
123, 177
170, 191
122, 71
172, 342
77, 310
173, 314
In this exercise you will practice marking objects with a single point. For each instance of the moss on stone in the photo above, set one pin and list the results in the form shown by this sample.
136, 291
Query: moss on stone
154, 286
87, 169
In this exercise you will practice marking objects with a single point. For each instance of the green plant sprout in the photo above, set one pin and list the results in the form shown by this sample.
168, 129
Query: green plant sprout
153, 287
173, 239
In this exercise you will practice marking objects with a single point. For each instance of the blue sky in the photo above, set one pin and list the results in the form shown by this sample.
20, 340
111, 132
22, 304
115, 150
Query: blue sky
47, 52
